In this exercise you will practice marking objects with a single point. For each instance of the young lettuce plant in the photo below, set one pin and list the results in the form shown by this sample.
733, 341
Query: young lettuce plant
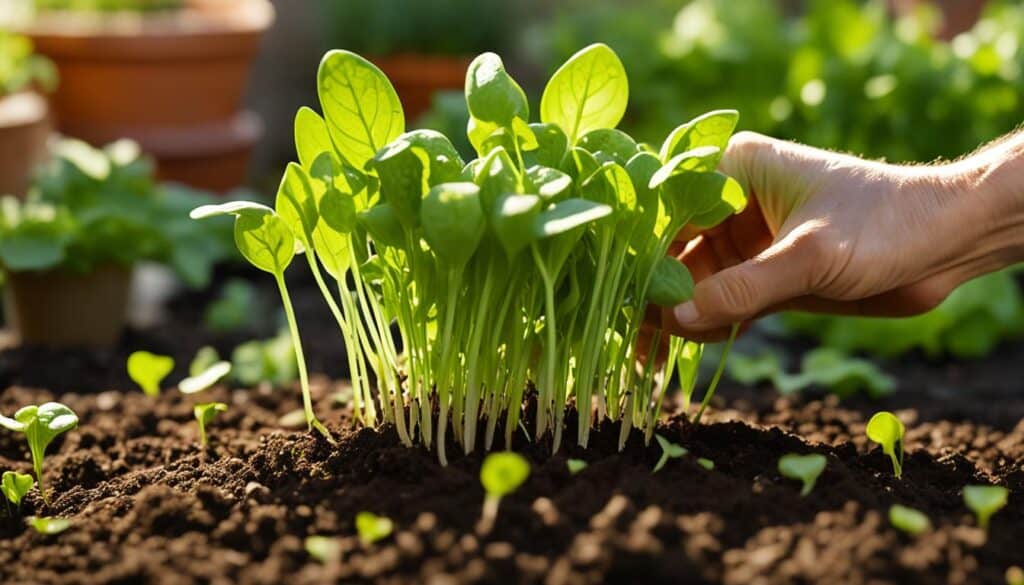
532, 263
887, 430
985, 501
913, 522
669, 450
48, 526
148, 370
15, 485
205, 414
373, 528
41, 425
804, 468
501, 474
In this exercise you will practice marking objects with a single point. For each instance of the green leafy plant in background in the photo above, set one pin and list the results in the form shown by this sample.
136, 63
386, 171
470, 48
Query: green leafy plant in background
200, 379
887, 430
825, 367
15, 485
205, 414
985, 501
501, 474
575, 465
803, 468
93, 207
669, 450
148, 370
533, 262
234, 307
913, 522
265, 360
373, 528
48, 526
41, 425
21, 68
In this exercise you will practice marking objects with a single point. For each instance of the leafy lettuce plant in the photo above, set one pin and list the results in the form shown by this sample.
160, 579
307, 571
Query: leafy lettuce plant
528, 266
205, 414
826, 367
41, 425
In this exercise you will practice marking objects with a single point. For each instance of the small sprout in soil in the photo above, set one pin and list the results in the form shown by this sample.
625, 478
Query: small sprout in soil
1014, 576
198, 382
294, 419
501, 474
887, 430
15, 485
148, 370
805, 468
323, 548
204, 415
48, 526
576, 465
373, 528
669, 450
909, 520
985, 500
41, 425
706, 463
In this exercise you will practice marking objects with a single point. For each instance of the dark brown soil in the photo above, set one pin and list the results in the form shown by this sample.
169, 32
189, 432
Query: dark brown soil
148, 505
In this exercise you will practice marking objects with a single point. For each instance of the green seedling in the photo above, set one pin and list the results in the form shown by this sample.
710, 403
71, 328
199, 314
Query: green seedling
887, 430
669, 450
985, 501
576, 465
909, 520
41, 425
373, 528
15, 485
706, 463
204, 379
204, 414
48, 526
501, 474
148, 370
324, 549
804, 468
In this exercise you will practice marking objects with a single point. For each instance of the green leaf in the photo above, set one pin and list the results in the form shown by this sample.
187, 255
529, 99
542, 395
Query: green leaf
361, 108
611, 142
491, 93
204, 358
552, 185
588, 92
552, 144
148, 370
844, 374
31, 251
296, 204
671, 283
887, 430
323, 548
805, 468
205, 414
512, 221
311, 137
265, 241
373, 528
568, 215
669, 450
402, 169
502, 473
382, 224
203, 380
575, 465
706, 463
48, 526
15, 485
453, 222
985, 500
710, 129
909, 520
698, 159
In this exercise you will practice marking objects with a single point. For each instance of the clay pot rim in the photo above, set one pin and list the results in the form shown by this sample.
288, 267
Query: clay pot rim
199, 19
22, 109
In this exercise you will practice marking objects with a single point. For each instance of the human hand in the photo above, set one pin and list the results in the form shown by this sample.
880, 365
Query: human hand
827, 232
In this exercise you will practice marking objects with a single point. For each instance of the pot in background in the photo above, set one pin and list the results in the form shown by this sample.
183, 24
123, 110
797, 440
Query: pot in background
957, 15
57, 308
417, 77
24, 130
159, 78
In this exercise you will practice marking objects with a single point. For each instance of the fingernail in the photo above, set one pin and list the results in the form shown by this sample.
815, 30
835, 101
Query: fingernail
686, 313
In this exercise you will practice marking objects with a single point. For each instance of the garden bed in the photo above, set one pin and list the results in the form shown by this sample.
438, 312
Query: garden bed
148, 505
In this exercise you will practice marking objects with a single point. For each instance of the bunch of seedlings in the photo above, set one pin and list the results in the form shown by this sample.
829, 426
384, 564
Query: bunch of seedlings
529, 267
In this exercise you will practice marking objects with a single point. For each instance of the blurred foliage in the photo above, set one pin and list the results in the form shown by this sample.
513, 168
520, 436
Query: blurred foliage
824, 367
268, 360
21, 68
447, 27
90, 207
235, 307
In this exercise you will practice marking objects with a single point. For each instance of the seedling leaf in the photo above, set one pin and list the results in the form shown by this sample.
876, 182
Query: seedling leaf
373, 528
985, 500
323, 548
148, 370
804, 468
503, 472
887, 430
669, 450
205, 379
205, 414
909, 520
588, 92
15, 485
48, 526
576, 465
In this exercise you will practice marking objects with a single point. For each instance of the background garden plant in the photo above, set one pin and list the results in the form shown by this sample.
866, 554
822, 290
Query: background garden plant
532, 263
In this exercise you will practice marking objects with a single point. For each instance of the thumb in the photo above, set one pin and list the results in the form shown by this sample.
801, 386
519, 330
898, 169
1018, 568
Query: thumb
741, 292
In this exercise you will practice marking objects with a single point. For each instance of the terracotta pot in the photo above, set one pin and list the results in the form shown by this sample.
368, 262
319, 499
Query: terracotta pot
153, 76
24, 129
957, 15
63, 309
417, 77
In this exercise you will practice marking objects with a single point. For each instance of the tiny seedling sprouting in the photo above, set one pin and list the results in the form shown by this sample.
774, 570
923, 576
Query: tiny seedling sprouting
706, 463
199, 381
41, 425
576, 465
325, 549
669, 450
15, 485
501, 474
804, 468
985, 500
909, 520
204, 415
148, 370
48, 526
373, 528
887, 430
